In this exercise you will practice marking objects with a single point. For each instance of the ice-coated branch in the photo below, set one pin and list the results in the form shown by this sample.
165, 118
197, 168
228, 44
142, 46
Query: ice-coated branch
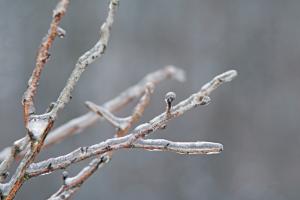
217, 81
80, 123
87, 58
139, 132
73, 184
28, 97
41, 59
178, 147
117, 122
122, 124
43, 122
38, 126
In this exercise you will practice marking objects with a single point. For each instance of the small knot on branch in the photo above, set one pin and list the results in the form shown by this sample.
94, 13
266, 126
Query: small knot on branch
204, 100
4, 175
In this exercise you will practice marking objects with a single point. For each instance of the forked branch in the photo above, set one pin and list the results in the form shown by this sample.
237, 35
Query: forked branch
139, 132
38, 126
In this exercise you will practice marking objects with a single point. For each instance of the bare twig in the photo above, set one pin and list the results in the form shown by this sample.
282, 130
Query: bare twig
139, 132
117, 122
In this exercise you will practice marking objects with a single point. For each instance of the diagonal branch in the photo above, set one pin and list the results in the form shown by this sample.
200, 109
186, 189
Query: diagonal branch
178, 147
39, 125
41, 59
117, 122
139, 132
73, 184
122, 124
87, 58
80, 123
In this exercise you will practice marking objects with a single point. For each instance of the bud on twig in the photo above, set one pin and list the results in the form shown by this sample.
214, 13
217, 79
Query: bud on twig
169, 98
65, 175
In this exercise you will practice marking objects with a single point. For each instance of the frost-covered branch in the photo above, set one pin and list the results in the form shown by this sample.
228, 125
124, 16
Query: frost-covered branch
44, 124
139, 132
78, 124
38, 126
28, 97
122, 124
42, 57
178, 147
72, 184
87, 58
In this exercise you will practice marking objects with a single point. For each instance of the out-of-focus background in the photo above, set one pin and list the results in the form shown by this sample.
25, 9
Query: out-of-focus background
255, 117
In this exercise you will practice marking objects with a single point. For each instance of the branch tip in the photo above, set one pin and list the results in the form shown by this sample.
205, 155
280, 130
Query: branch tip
179, 74
227, 76
169, 98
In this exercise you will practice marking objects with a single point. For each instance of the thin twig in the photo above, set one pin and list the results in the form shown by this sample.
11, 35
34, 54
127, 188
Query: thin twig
139, 132
178, 147
124, 124
73, 184
87, 58
44, 124
41, 59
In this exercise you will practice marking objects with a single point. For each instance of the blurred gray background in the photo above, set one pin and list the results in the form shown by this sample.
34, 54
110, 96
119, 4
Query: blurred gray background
255, 117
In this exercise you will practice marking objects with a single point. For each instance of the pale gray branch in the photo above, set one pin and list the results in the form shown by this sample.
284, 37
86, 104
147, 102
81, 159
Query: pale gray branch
118, 122
39, 125
80, 123
123, 125
72, 184
139, 132
178, 147
86, 59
